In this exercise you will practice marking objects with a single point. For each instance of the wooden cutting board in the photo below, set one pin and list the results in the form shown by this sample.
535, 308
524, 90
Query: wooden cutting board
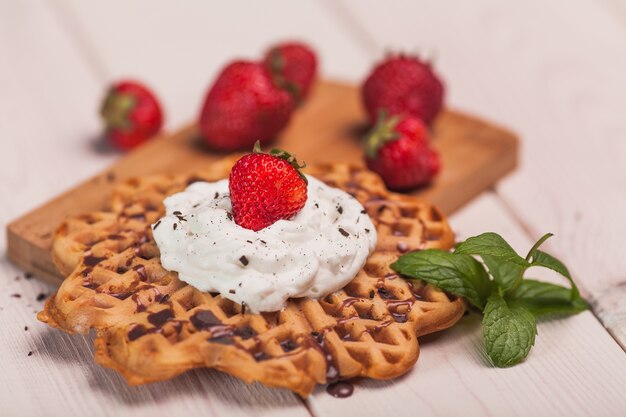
475, 154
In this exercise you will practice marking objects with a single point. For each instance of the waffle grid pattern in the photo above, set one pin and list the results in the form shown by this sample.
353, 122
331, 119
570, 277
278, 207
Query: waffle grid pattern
151, 326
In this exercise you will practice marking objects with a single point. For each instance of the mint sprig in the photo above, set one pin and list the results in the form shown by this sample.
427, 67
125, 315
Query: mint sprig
459, 274
509, 302
509, 331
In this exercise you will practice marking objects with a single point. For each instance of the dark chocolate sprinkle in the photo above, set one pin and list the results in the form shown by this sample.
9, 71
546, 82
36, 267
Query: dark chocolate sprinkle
288, 345
159, 318
91, 260
340, 209
229, 215
244, 260
343, 232
204, 319
41, 296
222, 340
384, 293
16, 295
261, 356
136, 332
30, 353
156, 225
245, 332
175, 226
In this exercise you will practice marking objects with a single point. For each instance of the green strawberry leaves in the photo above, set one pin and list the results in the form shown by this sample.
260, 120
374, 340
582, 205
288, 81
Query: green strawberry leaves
510, 303
279, 153
381, 133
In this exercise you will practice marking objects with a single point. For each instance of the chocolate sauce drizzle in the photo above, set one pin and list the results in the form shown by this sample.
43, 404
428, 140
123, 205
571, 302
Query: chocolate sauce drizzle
340, 389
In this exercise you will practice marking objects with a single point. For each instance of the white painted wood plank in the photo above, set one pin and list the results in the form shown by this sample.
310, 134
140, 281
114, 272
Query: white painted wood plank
573, 350
47, 123
574, 369
180, 49
554, 74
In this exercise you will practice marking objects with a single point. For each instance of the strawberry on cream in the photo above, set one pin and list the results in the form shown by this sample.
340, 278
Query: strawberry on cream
313, 254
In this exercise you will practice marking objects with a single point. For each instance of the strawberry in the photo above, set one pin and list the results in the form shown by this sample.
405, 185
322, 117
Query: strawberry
131, 114
244, 106
398, 150
265, 188
403, 85
294, 67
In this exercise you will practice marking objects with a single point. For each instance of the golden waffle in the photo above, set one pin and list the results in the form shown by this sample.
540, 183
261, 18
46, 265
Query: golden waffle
151, 326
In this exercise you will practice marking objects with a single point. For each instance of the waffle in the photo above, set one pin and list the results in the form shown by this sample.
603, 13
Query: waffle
151, 326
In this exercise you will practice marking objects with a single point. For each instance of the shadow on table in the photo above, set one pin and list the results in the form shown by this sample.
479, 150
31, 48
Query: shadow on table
204, 385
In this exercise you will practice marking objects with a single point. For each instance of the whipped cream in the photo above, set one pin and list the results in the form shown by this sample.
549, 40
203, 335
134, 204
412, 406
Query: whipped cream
313, 254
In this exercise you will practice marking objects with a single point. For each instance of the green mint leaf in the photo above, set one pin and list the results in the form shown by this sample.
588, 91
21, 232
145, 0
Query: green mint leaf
542, 298
508, 275
458, 274
508, 331
490, 244
540, 258
504, 264
533, 250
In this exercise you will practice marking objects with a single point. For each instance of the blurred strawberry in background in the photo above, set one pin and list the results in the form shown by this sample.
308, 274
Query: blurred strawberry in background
253, 101
398, 150
294, 68
243, 106
403, 85
131, 113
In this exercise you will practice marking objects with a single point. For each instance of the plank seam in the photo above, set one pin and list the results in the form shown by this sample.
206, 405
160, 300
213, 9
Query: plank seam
532, 235
78, 37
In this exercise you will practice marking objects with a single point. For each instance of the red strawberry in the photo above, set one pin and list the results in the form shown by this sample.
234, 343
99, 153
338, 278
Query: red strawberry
131, 113
265, 188
398, 150
244, 106
403, 85
294, 67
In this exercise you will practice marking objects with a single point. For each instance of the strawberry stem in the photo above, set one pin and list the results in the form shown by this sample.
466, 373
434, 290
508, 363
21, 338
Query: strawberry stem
382, 133
116, 110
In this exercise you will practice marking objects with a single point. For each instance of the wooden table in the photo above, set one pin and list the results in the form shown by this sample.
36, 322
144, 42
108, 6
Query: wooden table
552, 72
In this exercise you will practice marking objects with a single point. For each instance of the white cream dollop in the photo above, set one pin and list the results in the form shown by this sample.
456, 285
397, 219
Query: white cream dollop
313, 254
